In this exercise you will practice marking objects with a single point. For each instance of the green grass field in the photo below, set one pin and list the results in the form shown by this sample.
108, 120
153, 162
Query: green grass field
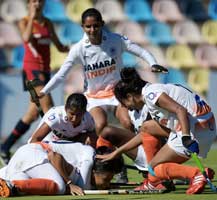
179, 194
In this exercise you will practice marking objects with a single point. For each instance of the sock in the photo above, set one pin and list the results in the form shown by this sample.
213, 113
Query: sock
103, 142
38, 186
151, 145
18, 131
173, 171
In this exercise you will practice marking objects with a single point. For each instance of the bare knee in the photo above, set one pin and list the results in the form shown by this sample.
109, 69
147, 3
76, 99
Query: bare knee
126, 123
107, 132
99, 127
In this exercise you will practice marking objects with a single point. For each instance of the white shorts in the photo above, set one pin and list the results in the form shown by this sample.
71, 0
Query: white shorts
108, 104
204, 136
141, 161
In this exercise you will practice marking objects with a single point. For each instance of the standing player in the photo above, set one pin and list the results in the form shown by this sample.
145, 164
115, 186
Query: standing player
69, 122
186, 114
37, 33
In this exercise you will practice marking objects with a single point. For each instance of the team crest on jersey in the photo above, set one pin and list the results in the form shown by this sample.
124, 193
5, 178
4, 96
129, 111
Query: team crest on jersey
51, 117
151, 95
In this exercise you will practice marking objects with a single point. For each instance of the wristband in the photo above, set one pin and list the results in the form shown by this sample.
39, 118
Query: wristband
151, 171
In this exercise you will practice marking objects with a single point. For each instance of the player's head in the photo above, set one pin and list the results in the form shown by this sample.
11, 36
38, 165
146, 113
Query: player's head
103, 172
92, 23
75, 108
37, 3
129, 89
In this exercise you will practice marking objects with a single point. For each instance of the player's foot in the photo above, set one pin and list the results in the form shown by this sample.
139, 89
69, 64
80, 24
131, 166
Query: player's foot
197, 184
4, 157
151, 187
5, 188
122, 176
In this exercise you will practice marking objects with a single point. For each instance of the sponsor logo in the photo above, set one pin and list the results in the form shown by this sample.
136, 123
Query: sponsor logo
100, 72
99, 65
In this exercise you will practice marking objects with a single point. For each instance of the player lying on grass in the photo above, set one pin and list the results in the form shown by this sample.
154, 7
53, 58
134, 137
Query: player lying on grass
56, 168
70, 122
189, 118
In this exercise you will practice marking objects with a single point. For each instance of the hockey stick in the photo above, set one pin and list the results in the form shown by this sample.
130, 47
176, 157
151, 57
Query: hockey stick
122, 191
202, 170
34, 96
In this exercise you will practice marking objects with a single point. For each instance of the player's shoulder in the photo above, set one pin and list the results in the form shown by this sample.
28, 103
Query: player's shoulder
56, 111
88, 116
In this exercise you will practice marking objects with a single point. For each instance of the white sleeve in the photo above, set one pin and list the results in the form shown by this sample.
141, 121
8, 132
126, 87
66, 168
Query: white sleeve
59, 77
152, 94
135, 49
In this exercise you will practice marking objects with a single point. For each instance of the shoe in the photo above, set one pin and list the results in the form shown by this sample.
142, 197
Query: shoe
5, 188
149, 186
5, 157
198, 182
122, 176
169, 184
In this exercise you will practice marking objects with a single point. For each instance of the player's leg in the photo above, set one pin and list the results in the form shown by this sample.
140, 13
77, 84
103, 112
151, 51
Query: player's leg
53, 183
100, 118
173, 170
20, 129
46, 101
123, 117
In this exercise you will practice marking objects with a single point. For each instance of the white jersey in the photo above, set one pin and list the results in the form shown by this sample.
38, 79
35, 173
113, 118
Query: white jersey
196, 107
101, 63
78, 155
138, 117
57, 120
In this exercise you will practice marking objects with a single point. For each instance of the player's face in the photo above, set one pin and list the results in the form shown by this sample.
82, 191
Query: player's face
132, 103
37, 3
74, 116
102, 179
92, 28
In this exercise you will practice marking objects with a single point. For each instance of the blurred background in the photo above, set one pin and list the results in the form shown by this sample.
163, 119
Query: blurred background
181, 34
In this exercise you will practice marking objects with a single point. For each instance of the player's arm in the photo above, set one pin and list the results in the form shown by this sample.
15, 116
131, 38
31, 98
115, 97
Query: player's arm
133, 143
135, 49
24, 26
55, 39
40, 133
65, 170
167, 103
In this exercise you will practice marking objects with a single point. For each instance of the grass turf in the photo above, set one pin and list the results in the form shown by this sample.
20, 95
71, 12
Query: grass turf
178, 194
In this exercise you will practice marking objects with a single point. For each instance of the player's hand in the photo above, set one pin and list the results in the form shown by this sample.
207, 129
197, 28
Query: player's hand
158, 69
41, 94
107, 157
33, 9
191, 145
75, 190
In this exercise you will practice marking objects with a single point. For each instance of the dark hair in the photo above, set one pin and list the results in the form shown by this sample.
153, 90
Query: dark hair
91, 12
114, 165
76, 100
130, 83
